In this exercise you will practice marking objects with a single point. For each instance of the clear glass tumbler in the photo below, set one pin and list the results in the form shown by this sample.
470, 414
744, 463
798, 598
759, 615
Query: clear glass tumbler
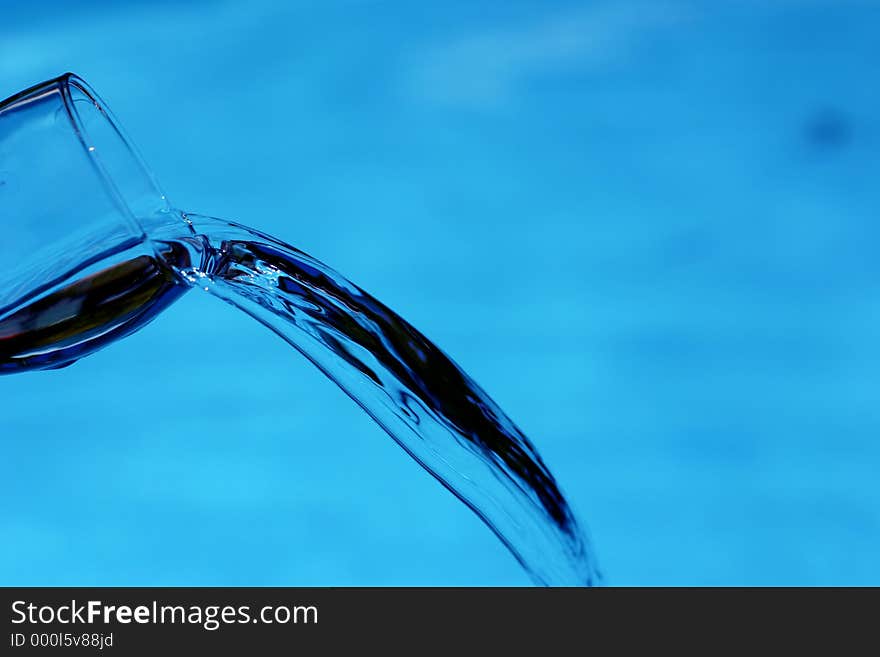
77, 269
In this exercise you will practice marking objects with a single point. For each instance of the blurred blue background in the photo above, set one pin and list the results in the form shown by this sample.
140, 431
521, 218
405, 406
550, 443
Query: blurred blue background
649, 229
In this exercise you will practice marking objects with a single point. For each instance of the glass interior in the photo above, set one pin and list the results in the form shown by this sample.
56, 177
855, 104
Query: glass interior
73, 191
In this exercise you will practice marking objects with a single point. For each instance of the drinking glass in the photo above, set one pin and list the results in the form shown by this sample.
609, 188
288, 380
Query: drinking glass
77, 268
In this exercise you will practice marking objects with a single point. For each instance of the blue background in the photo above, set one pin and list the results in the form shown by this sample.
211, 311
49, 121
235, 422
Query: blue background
649, 229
